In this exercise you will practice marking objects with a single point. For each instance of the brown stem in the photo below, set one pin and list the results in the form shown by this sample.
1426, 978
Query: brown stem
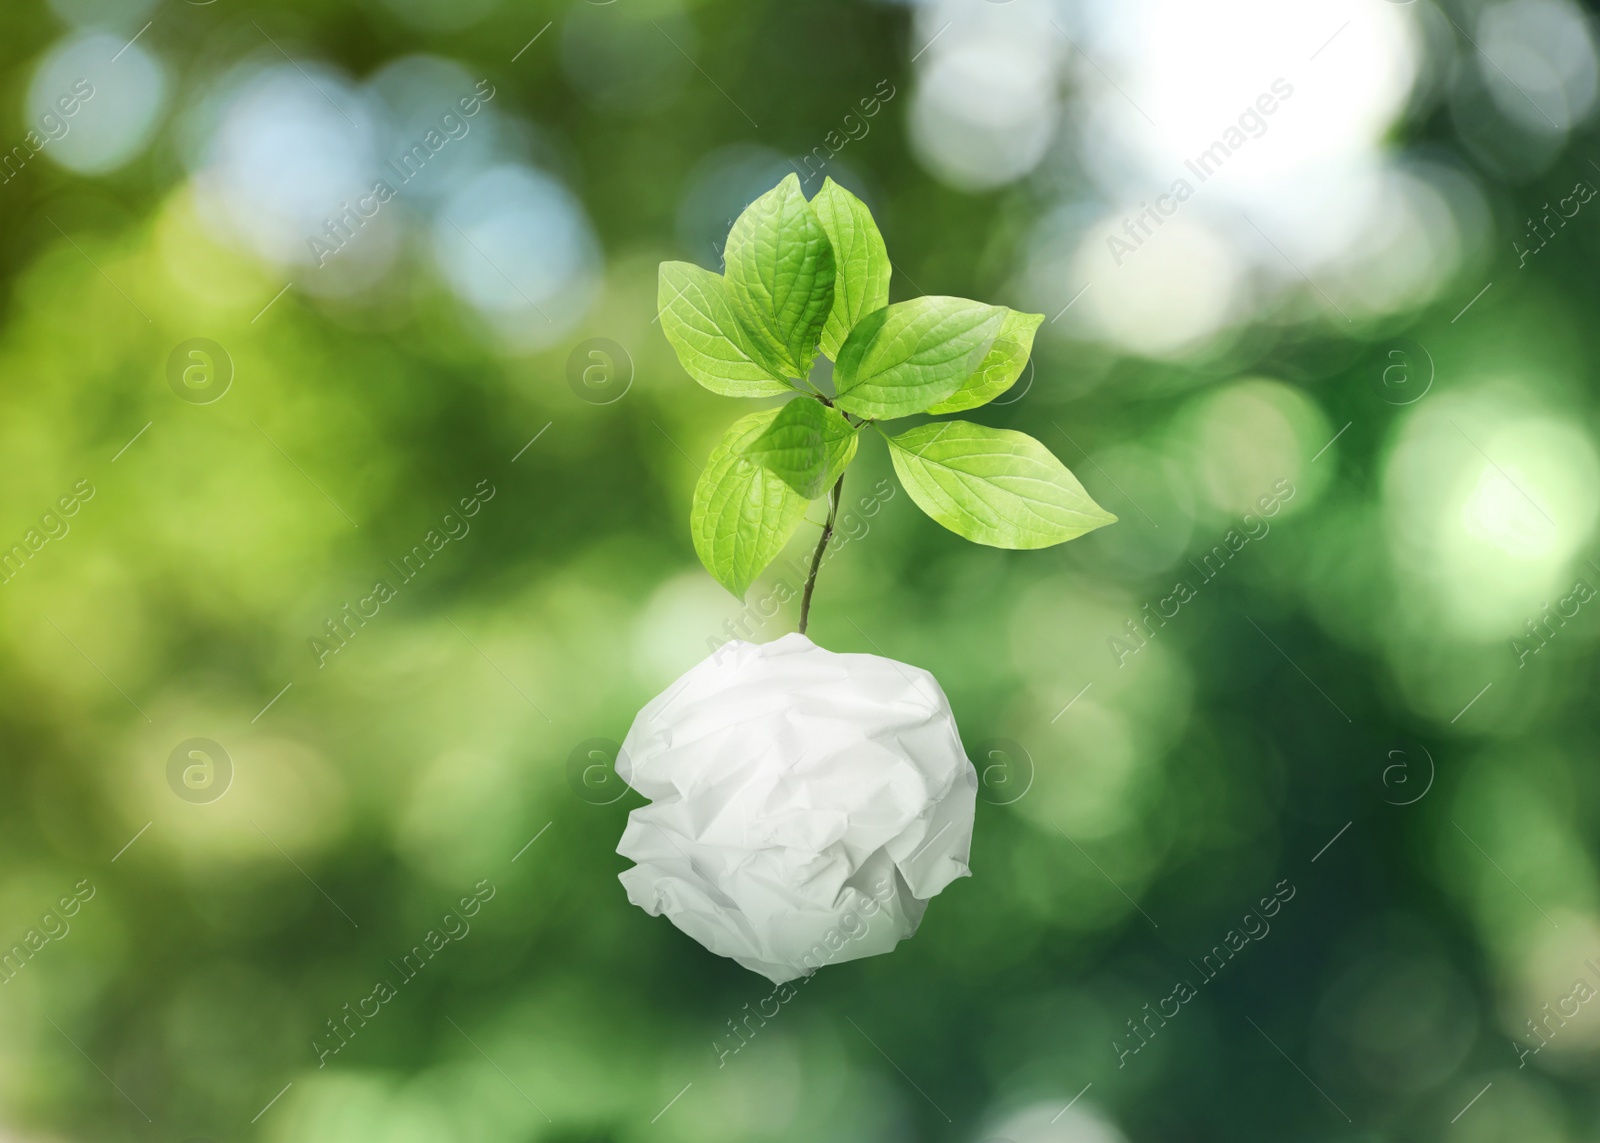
822, 546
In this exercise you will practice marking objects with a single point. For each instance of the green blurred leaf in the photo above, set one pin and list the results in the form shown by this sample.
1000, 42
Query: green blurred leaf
780, 272
861, 262
698, 319
1000, 367
993, 486
742, 514
807, 445
909, 356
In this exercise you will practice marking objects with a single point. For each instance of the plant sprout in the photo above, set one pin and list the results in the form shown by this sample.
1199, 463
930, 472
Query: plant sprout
807, 277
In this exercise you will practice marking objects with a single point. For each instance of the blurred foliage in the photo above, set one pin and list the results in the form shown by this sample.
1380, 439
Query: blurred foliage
1251, 739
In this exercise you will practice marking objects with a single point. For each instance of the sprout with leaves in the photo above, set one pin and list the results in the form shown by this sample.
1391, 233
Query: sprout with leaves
807, 276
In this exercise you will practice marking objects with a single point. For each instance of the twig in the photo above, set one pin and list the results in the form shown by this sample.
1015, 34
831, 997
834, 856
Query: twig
822, 546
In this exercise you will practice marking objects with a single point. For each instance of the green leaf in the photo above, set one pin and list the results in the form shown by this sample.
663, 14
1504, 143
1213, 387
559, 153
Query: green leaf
841, 449
780, 271
861, 262
698, 319
993, 486
806, 446
1000, 367
743, 514
909, 356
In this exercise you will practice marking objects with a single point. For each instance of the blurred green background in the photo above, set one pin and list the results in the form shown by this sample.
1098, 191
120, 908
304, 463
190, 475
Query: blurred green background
1375, 697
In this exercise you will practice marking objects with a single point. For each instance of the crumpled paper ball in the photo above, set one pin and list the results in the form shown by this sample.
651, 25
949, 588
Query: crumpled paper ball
805, 805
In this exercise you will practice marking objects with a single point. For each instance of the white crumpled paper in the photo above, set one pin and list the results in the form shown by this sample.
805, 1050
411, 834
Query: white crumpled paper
805, 804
